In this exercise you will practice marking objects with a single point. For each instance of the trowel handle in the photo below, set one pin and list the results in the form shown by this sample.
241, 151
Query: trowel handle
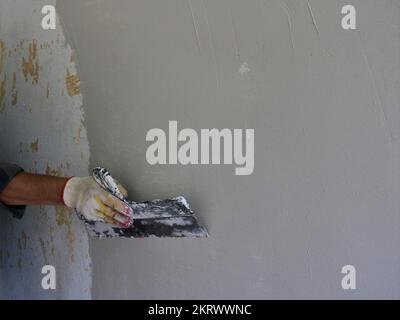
107, 182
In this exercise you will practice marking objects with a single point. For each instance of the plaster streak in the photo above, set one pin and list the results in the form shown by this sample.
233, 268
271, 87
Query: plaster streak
42, 131
196, 32
211, 43
235, 37
314, 22
376, 97
289, 22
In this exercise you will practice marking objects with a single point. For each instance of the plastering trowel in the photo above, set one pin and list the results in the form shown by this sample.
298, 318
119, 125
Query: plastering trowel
158, 218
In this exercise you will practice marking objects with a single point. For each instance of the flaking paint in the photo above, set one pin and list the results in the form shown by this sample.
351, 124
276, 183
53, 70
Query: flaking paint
43, 131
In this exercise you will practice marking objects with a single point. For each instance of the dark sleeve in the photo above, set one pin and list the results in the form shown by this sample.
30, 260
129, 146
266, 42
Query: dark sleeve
7, 173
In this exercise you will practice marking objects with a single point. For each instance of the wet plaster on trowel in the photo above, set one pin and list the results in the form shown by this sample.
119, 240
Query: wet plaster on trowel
44, 132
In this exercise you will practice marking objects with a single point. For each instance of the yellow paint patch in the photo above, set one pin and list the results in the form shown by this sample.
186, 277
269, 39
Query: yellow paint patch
45, 45
73, 84
22, 240
30, 66
54, 172
2, 55
14, 93
2, 93
35, 146
14, 98
14, 81
81, 128
64, 218
44, 250
53, 249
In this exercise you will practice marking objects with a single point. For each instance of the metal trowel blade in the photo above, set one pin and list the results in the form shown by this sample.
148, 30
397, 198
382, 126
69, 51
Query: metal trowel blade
159, 218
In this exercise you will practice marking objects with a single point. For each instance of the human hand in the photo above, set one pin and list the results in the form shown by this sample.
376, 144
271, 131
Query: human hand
96, 204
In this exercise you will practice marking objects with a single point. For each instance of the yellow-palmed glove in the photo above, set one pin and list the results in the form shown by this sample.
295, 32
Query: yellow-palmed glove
95, 204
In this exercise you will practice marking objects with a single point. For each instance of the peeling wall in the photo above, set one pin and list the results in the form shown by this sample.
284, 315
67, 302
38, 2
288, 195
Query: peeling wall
42, 128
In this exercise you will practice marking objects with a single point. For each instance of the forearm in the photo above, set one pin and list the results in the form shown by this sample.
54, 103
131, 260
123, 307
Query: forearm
82, 194
33, 189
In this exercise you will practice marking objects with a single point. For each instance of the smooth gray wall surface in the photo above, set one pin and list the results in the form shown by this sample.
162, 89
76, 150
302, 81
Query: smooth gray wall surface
324, 103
